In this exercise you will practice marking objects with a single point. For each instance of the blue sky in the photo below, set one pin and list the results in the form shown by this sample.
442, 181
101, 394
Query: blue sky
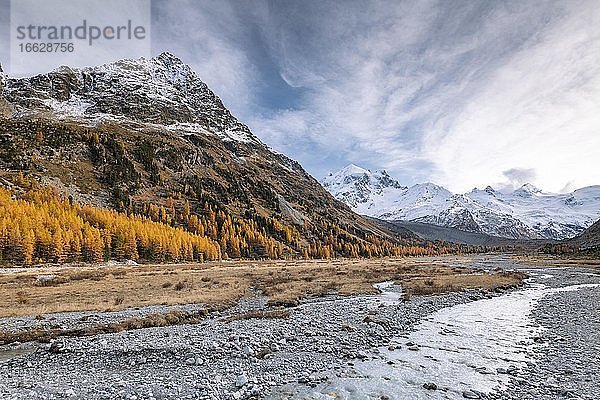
461, 93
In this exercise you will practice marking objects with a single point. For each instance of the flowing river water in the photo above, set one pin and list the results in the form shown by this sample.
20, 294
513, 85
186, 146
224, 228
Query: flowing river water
464, 351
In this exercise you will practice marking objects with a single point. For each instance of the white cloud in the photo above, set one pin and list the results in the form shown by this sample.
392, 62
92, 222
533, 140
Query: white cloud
355, 96
454, 92
517, 177
205, 35
537, 111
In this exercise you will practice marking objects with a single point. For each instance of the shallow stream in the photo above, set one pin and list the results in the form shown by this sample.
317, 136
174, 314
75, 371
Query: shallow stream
462, 350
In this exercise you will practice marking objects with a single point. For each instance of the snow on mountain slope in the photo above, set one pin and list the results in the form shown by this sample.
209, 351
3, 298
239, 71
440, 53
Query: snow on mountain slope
162, 90
377, 194
555, 216
526, 212
362, 188
130, 134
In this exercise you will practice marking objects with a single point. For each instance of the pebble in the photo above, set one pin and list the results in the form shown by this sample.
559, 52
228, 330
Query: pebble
469, 394
241, 380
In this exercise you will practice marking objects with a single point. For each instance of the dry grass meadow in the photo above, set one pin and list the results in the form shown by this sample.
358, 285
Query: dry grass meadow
558, 261
221, 284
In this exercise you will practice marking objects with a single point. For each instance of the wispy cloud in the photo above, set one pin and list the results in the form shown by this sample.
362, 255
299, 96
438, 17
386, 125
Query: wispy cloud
517, 177
208, 35
456, 92
534, 111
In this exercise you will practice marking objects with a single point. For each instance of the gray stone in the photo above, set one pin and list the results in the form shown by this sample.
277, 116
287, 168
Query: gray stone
469, 394
241, 380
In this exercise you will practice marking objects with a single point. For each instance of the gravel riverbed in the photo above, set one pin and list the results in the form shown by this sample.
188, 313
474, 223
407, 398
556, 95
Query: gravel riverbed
567, 357
321, 340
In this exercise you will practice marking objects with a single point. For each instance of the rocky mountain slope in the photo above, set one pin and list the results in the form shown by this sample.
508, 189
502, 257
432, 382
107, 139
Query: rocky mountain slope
589, 239
526, 213
137, 133
453, 235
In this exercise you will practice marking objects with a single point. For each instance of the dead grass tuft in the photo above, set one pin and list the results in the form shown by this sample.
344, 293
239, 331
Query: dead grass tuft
491, 281
22, 297
173, 317
259, 314
119, 300
94, 275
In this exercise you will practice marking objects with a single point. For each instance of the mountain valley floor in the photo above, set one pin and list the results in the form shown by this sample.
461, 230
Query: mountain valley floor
242, 330
219, 285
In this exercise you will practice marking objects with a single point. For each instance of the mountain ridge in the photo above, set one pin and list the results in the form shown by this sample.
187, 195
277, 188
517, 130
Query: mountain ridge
525, 213
146, 135
589, 239
90, 94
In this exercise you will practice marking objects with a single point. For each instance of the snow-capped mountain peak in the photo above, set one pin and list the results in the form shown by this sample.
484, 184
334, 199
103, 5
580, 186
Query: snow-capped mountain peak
356, 185
490, 190
527, 212
352, 169
527, 190
161, 90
